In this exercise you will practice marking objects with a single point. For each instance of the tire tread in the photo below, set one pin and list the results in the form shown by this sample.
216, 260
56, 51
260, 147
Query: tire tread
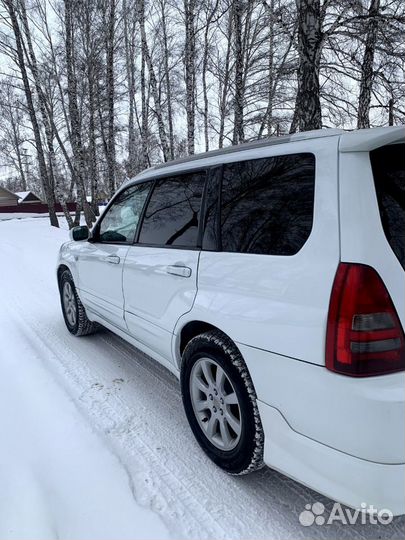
222, 341
84, 327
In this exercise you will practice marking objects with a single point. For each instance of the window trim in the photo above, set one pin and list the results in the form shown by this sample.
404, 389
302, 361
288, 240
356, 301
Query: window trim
216, 184
208, 170
156, 179
95, 238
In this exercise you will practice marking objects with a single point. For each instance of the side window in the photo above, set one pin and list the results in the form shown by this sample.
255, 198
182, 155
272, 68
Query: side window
388, 164
120, 222
267, 204
173, 212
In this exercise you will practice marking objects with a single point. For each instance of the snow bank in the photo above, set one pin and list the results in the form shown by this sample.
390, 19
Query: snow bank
58, 479
94, 440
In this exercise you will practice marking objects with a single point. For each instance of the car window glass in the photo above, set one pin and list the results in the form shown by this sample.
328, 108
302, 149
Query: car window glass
173, 212
121, 220
267, 204
388, 164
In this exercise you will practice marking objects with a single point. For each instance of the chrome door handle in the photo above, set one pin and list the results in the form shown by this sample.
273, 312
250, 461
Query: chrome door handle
183, 271
112, 259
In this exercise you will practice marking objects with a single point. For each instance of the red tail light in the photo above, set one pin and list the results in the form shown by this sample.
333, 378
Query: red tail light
364, 335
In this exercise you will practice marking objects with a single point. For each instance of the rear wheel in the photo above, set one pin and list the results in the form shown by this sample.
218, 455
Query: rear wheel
220, 403
73, 310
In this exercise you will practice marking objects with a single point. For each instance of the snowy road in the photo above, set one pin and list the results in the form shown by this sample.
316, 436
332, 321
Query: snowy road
94, 440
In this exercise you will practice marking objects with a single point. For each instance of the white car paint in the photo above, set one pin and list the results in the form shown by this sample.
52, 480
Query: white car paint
343, 437
99, 271
152, 318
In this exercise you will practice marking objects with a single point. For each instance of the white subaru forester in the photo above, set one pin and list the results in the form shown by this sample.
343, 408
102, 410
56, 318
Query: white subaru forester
269, 277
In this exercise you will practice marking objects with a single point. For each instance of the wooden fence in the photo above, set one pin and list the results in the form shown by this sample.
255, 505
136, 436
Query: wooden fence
35, 208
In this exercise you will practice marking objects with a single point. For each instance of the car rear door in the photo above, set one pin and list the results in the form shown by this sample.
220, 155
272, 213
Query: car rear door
160, 270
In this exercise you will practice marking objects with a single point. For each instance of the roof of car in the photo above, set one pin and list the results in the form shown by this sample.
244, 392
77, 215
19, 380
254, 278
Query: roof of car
350, 141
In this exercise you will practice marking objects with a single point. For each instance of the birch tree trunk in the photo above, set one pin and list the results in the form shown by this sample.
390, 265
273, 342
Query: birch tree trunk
189, 63
153, 82
267, 117
93, 170
238, 133
129, 37
308, 105
225, 85
204, 72
76, 139
144, 113
90, 57
168, 85
110, 43
366, 82
20, 46
46, 115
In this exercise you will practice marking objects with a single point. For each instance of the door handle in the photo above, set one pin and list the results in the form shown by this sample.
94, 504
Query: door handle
183, 271
112, 259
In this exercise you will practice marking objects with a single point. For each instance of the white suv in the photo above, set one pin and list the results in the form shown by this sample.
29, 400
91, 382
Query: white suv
269, 277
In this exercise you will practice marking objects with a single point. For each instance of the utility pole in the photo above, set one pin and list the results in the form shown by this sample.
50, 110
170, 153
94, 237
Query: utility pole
26, 158
391, 112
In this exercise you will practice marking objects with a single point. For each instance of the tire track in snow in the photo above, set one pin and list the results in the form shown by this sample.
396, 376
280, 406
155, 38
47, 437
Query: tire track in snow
135, 404
185, 505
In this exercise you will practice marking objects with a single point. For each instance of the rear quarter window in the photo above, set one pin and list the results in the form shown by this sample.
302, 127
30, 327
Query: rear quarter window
388, 165
267, 204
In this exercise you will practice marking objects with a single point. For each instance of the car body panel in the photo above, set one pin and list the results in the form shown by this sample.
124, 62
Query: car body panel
155, 298
264, 300
344, 478
367, 244
353, 415
100, 281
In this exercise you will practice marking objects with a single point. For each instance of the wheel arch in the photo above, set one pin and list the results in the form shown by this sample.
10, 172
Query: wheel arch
233, 357
61, 268
190, 330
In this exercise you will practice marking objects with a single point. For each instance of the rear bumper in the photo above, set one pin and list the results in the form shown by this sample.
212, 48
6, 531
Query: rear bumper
342, 477
362, 417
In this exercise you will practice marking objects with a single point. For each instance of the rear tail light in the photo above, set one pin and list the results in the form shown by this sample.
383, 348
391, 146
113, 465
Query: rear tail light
364, 335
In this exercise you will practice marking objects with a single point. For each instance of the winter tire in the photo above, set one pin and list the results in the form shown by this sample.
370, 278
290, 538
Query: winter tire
73, 311
220, 403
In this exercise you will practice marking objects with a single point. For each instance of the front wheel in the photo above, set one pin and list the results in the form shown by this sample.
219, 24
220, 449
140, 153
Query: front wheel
220, 403
73, 310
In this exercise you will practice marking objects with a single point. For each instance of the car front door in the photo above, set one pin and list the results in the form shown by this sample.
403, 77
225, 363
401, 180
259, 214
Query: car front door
101, 260
160, 270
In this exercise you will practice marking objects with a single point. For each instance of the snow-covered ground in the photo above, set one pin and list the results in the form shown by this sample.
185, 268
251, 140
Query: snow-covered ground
94, 441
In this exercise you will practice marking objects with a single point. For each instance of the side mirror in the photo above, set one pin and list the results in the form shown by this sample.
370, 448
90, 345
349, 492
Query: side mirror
79, 233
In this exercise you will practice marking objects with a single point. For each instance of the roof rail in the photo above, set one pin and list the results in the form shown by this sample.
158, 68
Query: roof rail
252, 145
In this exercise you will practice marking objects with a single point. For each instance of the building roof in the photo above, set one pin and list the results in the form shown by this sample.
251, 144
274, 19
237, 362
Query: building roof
24, 195
7, 194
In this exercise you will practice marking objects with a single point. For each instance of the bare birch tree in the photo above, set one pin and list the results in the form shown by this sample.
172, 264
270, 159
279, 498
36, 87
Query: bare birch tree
20, 59
308, 104
363, 116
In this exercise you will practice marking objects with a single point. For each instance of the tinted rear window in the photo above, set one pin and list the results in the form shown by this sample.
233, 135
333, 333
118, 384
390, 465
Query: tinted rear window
267, 204
388, 164
173, 212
